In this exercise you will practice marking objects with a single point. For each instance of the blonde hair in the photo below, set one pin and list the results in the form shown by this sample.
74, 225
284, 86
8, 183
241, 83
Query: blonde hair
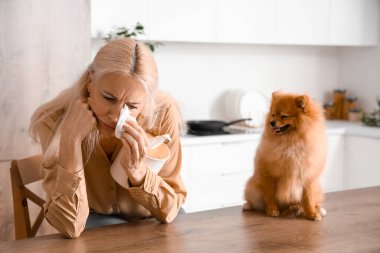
123, 56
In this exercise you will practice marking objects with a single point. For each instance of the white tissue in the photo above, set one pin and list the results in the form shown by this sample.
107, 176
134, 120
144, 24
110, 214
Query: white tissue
124, 115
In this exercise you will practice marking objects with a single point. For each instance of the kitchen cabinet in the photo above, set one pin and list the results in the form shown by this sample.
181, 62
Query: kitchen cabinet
332, 177
362, 162
246, 21
292, 22
302, 22
106, 15
173, 20
354, 22
215, 173
216, 169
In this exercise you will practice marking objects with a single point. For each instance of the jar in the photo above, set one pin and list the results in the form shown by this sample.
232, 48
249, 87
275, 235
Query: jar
350, 103
329, 110
339, 103
354, 115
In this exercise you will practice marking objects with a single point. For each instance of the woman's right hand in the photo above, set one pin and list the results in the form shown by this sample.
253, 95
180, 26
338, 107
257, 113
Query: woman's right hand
80, 121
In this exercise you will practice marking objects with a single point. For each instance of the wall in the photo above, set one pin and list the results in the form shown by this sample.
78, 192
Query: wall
44, 45
198, 74
359, 73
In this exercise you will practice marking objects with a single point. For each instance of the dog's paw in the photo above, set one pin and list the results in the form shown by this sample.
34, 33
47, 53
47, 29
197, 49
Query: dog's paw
296, 209
314, 216
247, 206
317, 217
322, 211
292, 211
274, 212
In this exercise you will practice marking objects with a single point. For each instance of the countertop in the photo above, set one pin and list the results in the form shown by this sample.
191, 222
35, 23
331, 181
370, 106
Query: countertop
352, 224
334, 127
354, 129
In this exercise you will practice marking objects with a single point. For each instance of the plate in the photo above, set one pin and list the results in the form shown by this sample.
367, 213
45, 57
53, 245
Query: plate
253, 105
247, 104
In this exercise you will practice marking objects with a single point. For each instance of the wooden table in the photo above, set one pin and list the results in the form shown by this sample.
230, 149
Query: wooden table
352, 225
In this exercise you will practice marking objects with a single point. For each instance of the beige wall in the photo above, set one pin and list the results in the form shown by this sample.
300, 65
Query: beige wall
44, 46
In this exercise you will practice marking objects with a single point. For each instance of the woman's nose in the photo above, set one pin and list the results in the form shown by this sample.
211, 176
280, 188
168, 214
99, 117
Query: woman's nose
115, 113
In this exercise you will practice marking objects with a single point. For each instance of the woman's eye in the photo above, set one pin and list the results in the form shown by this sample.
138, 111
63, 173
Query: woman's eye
132, 107
111, 99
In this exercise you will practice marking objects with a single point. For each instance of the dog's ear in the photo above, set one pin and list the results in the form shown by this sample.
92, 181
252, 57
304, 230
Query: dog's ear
275, 94
302, 102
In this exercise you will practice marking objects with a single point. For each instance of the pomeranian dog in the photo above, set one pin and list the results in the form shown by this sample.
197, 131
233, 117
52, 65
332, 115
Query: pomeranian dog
289, 160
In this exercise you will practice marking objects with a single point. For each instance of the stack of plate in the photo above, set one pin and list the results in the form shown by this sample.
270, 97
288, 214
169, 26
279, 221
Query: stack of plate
247, 104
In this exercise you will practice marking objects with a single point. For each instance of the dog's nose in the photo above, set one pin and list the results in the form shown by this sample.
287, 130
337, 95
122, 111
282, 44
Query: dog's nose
272, 123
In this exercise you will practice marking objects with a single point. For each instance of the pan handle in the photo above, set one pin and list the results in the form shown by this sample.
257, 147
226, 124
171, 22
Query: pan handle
237, 121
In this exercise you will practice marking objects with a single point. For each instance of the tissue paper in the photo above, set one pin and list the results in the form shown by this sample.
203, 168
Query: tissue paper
124, 115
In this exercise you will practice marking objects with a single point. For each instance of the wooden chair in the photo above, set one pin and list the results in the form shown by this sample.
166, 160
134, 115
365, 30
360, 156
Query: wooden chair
23, 172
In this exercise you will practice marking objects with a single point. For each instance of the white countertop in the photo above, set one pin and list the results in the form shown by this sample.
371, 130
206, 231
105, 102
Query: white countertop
355, 129
334, 127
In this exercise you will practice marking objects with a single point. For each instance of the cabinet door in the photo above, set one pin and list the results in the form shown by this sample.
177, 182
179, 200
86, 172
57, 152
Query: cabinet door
215, 174
354, 22
108, 15
332, 177
246, 21
216, 191
172, 20
362, 168
302, 21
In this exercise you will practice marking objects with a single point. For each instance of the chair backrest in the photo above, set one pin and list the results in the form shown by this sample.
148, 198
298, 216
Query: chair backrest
23, 172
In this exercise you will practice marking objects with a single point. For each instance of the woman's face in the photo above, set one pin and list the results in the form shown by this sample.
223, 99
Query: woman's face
107, 96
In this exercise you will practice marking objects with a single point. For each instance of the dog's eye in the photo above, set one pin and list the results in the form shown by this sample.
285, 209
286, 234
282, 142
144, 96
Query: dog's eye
273, 115
284, 117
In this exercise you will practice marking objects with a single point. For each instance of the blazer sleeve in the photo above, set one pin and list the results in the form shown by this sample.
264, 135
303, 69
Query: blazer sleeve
66, 206
164, 193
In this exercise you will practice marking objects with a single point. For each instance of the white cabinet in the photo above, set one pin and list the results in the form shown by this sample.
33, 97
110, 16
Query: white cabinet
332, 177
173, 20
215, 174
302, 22
327, 22
107, 15
246, 21
362, 163
216, 169
297, 22
354, 22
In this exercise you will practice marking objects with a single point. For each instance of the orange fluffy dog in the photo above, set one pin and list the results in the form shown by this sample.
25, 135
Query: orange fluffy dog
289, 160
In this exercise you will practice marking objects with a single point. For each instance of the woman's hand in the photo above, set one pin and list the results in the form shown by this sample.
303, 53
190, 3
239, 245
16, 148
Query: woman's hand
80, 121
135, 143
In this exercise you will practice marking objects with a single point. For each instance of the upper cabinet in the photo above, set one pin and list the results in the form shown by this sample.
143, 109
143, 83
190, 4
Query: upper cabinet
173, 20
354, 22
107, 15
292, 22
302, 22
246, 21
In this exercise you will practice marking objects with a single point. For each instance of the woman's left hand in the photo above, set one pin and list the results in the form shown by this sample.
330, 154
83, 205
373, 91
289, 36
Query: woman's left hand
135, 143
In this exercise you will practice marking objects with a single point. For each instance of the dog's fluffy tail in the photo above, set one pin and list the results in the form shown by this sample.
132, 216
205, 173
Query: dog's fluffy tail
253, 196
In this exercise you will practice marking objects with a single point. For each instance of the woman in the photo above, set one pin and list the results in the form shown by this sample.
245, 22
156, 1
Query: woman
76, 132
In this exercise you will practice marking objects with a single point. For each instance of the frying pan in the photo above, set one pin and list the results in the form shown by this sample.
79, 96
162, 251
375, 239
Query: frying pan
210, 127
